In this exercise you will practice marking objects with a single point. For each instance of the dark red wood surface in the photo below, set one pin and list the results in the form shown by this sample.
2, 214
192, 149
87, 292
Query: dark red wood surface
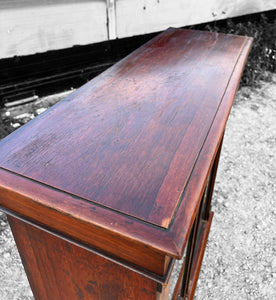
126, 157
129, 139
59, 270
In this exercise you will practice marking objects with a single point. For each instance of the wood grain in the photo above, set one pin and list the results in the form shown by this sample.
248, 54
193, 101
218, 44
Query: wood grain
60, 270
127, 152
121, 164
204, 229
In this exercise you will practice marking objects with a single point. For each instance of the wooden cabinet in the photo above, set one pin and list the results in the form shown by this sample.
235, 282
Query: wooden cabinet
106, 189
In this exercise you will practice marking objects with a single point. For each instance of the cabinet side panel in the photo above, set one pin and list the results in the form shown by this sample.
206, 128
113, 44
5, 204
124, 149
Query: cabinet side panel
57, 269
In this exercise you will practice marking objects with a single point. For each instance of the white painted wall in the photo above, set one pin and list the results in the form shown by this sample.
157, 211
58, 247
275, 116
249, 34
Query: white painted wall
41, 25
33, 26
144, 16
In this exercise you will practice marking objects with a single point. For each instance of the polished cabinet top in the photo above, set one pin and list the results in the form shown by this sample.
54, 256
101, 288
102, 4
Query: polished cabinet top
129, 151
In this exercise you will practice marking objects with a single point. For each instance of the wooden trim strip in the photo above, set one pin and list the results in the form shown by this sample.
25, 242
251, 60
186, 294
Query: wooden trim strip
199, 257
196, 264
159, 279
179, 232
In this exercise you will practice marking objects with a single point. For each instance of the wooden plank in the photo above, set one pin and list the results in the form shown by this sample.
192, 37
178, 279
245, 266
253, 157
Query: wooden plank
201, 244
48, 208
139, 17
131, 158
199, 256
28, 27
132, 119
59, 270
206, 159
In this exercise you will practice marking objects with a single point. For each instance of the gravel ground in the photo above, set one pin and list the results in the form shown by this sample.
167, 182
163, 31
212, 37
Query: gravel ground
240, 258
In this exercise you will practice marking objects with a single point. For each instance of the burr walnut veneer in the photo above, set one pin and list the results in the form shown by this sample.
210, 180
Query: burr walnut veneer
106, 189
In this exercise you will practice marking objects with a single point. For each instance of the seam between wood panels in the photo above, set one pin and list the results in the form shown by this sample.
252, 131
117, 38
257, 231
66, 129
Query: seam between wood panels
222, 97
